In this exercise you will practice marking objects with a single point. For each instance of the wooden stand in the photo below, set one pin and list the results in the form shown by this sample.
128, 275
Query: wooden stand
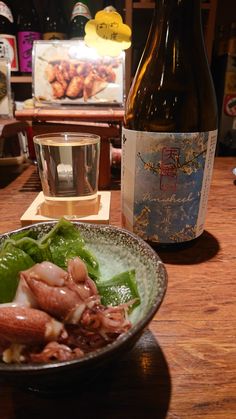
95, 210
82, 208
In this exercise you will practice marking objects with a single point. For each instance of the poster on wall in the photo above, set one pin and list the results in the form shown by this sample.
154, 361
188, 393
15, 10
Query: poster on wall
69, 72
5, 89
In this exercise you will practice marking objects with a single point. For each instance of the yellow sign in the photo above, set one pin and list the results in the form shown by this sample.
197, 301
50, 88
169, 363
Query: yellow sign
107, 33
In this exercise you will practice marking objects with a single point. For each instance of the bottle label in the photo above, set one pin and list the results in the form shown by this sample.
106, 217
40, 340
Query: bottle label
5, 11
8, 50
25, 45
80, 9
165, 183
54, 35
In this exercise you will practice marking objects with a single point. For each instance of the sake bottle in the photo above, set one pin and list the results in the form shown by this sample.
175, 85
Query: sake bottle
109, 6
28, 32
170, 130
54, 22
8, 44
79, 17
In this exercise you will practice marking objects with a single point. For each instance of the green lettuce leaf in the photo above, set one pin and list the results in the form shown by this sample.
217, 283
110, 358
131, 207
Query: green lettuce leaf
119, 289
12, 261
66, 242
37, 251
25, 233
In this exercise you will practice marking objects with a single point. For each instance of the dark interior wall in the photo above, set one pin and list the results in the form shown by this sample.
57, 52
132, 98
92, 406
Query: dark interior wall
226, 12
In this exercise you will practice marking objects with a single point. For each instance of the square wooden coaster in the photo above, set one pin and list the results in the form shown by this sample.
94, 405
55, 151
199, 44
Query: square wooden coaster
33, 214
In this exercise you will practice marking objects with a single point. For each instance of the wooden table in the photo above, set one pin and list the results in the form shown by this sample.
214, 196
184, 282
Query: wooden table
184, 365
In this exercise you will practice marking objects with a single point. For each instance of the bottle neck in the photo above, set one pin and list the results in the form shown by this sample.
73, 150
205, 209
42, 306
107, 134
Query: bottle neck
176, 29
170, 7
110, 9
26, 5
82, 2
53, 9
178, 16
54, 24
5, 11
81, 9
174, 65
27, 16
109, 3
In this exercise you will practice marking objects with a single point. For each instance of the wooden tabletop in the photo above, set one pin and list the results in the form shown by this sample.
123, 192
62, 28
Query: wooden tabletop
184, 365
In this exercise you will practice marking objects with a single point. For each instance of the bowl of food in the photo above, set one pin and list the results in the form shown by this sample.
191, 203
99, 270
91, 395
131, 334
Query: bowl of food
73, 297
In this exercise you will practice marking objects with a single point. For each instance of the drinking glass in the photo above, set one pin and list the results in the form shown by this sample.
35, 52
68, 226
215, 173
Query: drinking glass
68, 165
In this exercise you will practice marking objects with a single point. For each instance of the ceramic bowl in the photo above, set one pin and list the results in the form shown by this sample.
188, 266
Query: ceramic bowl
117, 250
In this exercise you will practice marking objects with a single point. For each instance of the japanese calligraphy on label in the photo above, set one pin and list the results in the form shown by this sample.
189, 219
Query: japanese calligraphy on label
165, 183
107, 33
25, 43
8, 50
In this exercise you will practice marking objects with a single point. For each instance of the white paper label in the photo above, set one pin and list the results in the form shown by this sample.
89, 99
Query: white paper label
5, 11
81, 9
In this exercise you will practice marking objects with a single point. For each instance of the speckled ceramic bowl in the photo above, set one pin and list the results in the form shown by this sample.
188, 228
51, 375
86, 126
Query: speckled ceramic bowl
117, 250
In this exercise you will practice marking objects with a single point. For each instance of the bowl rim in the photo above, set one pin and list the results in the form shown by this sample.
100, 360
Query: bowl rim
97, 354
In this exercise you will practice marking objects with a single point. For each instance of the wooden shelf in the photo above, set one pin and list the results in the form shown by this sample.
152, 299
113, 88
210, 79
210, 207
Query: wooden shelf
143, 5
151, 5
21, 79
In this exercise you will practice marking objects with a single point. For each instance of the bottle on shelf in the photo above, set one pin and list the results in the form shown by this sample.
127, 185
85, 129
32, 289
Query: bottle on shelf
232, 39
28, 31
221, 40
224, 77
8, 44
79, 17
170, 130
109, 6
54, 22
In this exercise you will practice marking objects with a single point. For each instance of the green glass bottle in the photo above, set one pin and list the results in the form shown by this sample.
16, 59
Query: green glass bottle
170, 130
54, 22
8, 43
28, 31
79, 17
109, 6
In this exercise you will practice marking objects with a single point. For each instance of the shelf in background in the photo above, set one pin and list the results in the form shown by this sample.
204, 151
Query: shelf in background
21, 79
143, 5
151, 5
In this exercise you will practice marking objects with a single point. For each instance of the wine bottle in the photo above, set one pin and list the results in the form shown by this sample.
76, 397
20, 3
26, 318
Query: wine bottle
170, 130
109, 6
8, 45
54, 22
79, 17
28, 32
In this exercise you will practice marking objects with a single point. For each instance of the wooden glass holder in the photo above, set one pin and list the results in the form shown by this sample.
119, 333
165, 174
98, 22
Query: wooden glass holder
95, 210
80, 208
